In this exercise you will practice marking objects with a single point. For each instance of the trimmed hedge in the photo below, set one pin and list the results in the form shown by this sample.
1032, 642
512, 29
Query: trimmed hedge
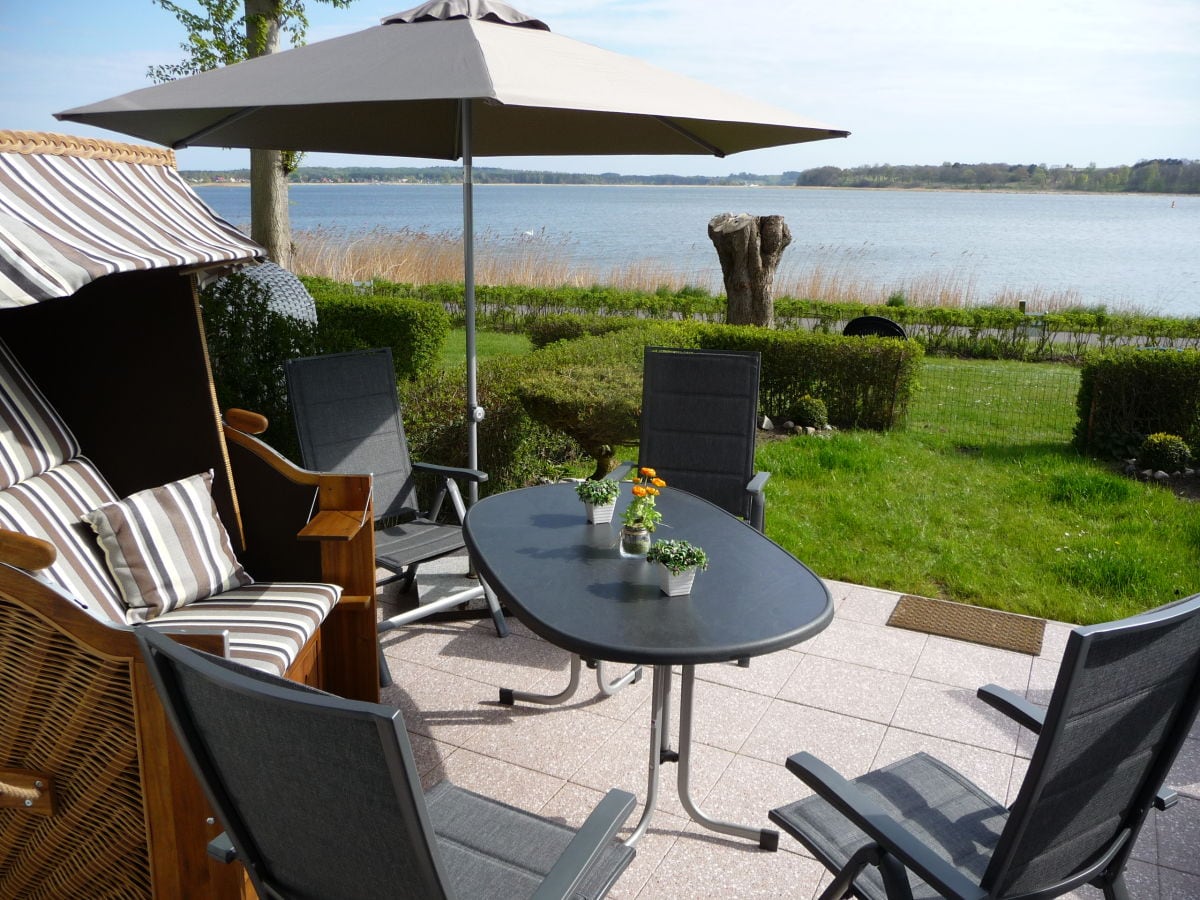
984, 332
514, 449
358, 319
1126, 395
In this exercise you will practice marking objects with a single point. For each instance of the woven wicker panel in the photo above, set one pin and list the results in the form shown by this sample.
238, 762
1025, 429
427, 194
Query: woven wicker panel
992, 627
70, 715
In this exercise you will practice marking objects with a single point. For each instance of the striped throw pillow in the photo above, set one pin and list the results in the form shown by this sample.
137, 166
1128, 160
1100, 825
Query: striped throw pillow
166, 547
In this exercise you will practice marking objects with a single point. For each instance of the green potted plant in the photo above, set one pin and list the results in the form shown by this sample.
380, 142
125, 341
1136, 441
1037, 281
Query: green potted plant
679, 561
599, 498
640, 516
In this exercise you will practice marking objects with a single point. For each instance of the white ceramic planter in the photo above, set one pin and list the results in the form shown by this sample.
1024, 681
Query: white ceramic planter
675, 585
600, 515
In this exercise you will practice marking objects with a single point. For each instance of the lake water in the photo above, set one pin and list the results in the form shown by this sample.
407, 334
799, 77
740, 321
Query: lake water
1124, 250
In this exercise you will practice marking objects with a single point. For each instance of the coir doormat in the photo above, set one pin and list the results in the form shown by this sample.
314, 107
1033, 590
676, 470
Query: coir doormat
1005, 630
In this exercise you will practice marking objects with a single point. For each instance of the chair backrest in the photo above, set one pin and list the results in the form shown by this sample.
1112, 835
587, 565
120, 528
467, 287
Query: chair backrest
320, 796
348, 420
1125, 700
699, 421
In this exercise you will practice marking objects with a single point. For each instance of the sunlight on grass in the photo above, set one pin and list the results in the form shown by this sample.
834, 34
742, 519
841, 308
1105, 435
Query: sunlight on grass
487, 345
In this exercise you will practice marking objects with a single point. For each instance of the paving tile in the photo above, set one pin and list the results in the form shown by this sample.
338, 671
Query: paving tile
862, 604
430, 755
505, 662
845, 743
877, 646
439, 704
722, 716
765, 674
844, 687
512, 784
1054, 640
749, 789
971, 666
703, 864
1142, 880
1146, 846
1020, 768
1175, 885
989, 769
623, 761
1043, 673
553, 741
1179, 836
955, 714
1185, 774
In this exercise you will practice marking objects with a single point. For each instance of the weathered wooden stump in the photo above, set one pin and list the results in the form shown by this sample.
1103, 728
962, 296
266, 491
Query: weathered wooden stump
749, 248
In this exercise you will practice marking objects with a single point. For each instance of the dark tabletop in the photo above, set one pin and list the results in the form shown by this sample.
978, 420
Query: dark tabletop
566, 580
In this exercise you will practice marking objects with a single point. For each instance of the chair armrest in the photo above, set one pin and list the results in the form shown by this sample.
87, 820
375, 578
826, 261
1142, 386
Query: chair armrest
585, 848
23, 551
334, 525
452, 472
869, 816
619, 473
1165, 799
1014, 706
758, 483
246, 421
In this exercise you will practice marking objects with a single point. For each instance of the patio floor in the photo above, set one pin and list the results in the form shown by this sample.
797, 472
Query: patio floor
859, 695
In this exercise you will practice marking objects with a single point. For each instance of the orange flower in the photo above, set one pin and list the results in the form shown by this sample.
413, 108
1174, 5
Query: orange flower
639, 491
653, 492
648, 472
658, 482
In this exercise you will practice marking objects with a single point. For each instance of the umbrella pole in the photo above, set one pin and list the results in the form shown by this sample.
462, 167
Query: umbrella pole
474, 411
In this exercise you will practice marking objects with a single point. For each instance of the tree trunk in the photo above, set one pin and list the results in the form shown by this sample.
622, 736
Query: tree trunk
749, 248
269, 221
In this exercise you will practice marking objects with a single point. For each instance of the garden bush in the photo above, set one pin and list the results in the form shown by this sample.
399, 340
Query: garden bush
353, 318
1165, 452
1126, 395
809, 412
514, 449
248, 343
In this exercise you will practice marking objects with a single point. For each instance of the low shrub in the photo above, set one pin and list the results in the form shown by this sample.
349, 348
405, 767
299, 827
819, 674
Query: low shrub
248, 343
809, 412
1165, 452
568, 326
514, 449
353, 318
1126, 395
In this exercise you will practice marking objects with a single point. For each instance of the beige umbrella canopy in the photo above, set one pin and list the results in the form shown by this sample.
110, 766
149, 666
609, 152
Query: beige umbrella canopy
452, 79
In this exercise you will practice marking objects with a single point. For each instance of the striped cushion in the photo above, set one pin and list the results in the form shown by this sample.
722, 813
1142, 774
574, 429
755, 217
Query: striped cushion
33, 439
51, 506
166, 547
267, 623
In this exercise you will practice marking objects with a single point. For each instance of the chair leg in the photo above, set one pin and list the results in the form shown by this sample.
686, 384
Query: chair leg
385, 674
1116, 889
408, 579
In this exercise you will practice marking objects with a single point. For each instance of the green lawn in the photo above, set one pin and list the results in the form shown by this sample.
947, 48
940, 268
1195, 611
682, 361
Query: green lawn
978, 499
487, 343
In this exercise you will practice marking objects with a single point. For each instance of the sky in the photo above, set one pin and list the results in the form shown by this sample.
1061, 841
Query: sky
1054, 82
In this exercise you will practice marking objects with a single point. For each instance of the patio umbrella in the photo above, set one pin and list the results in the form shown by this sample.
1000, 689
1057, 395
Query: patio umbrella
451, 79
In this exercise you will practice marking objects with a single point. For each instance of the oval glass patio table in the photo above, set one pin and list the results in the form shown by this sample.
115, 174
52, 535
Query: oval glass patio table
567, 582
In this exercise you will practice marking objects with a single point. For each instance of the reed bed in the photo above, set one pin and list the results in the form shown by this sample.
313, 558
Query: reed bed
832, 274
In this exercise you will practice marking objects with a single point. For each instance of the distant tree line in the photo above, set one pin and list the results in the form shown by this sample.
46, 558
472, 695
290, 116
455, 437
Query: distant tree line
1165, 176
1157, 176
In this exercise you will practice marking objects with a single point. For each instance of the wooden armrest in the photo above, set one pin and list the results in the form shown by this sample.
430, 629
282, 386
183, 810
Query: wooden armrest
245, 421
22, 551
333, 525
355, 601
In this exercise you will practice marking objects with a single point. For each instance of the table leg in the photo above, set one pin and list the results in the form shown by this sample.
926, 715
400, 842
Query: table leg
658, 705
768, 839
508, 696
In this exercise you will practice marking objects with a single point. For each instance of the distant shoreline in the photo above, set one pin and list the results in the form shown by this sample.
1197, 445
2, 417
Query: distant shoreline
719, 187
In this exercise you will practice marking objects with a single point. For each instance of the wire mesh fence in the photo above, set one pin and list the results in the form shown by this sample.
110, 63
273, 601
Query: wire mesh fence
986, 400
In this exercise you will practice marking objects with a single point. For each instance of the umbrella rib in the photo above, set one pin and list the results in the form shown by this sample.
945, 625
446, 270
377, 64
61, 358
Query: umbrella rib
209, 129
691, 136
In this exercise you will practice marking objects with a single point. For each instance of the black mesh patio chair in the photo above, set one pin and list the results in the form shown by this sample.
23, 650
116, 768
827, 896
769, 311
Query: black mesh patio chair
1125, 699
699, 424
348, 420
320, 797
874, 326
